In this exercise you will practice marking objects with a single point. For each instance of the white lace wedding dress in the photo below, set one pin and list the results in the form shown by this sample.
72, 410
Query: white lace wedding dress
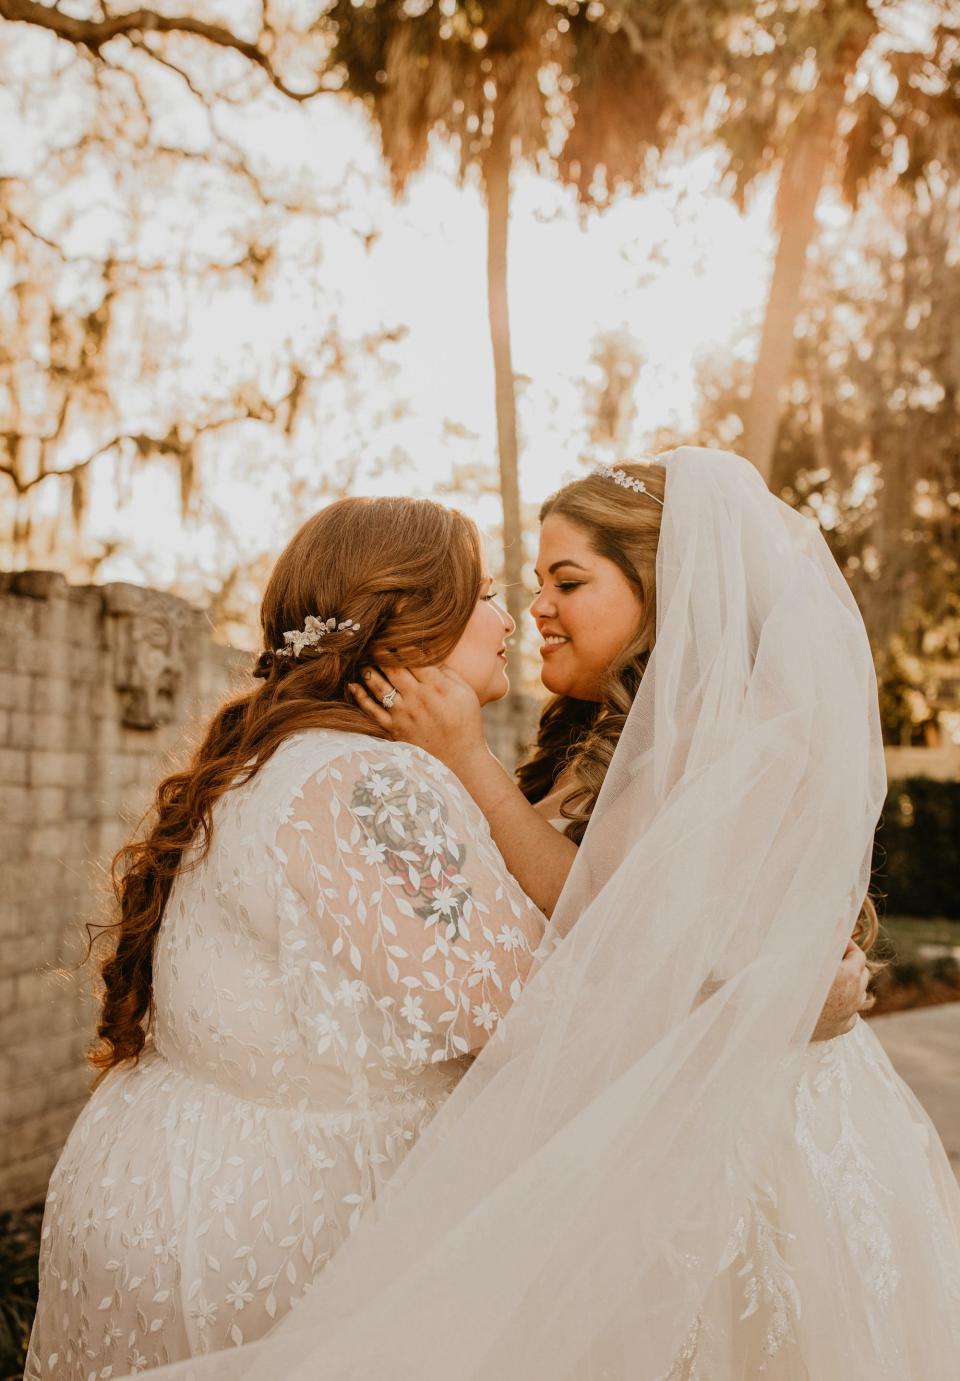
320, 981
852, 1204
648, 1172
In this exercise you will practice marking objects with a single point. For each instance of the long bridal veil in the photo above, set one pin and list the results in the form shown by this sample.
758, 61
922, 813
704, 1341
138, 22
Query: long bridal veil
566, 1211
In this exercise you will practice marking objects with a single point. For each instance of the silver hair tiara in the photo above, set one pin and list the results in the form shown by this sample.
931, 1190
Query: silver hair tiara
310, 634
625, 481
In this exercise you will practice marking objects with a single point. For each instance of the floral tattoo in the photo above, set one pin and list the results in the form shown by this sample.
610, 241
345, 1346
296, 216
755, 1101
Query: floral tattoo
407, 829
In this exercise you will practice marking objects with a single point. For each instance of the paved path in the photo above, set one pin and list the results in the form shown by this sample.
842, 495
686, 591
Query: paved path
925, 1048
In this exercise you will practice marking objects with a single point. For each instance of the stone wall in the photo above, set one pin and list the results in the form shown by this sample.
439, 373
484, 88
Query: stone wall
98, 687
939, 764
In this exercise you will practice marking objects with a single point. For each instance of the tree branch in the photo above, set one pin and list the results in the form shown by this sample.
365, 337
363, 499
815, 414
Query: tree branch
94, 34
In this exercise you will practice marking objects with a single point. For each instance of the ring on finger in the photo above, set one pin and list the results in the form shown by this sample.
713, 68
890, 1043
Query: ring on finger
389, 698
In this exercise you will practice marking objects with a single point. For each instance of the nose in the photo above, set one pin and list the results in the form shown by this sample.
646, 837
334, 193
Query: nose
509, 622
541, 607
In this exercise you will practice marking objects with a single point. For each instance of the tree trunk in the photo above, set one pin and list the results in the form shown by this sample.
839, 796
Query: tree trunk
801, 182
497, 167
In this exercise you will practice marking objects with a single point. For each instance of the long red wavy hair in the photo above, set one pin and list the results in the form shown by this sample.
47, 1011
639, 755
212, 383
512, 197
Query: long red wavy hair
409, 572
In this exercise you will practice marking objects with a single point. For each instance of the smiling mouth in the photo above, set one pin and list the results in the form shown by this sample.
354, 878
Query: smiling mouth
551, 643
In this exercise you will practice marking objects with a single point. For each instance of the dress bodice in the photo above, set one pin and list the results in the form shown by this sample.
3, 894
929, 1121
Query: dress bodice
352, 925
322, 978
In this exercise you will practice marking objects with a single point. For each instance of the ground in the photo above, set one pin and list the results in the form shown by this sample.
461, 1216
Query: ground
924, 1046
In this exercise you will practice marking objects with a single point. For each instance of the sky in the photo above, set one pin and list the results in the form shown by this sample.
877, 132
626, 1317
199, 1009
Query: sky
679, 272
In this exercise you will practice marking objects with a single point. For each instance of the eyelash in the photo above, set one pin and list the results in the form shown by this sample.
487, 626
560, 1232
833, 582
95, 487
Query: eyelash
565, 585
492, 595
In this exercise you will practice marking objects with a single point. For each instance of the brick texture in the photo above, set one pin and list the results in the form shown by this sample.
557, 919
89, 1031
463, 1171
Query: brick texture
73, 770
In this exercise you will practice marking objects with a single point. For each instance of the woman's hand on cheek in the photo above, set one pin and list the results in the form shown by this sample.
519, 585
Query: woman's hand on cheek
434, 708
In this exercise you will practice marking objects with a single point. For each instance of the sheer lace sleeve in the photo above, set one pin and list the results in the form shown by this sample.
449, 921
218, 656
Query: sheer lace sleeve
405, 887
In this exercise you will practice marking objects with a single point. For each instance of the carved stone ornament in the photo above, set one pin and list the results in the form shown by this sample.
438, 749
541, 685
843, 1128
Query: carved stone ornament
147, 654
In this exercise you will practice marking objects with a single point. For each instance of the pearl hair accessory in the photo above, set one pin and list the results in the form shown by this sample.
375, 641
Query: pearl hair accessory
313, 630
620, 477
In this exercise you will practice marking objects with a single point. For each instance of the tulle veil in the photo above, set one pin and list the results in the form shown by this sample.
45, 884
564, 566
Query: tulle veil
566, 1210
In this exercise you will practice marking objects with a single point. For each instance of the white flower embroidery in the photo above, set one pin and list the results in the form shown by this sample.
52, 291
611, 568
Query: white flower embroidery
373, 853
412, 1009
203, 1313
418, 1046
350, 992
313, 1001
257, 977
484, 964
378, 784
431, 842
444, 900
318, 1159
238, 1295
328, 1031
510, 937
484, 1015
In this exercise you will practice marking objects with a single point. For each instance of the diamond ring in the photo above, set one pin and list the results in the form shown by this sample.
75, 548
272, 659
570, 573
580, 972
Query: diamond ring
389, 698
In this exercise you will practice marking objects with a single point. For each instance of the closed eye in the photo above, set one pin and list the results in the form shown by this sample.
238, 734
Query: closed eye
564, 585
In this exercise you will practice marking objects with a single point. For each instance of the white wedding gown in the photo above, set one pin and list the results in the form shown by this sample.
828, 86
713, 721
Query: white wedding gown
647, 1172
845, 1258
310, 1018
320, 979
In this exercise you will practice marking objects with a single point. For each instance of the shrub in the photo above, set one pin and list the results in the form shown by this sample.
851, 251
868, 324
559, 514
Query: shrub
946, 970
916, 857
19, 1248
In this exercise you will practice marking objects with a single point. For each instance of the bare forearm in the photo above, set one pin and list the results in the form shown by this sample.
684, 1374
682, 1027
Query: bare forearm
537, 855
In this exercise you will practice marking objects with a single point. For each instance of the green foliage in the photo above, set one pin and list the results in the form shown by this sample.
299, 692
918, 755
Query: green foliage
892, 80
917, 849
868, 443
19, 1249
945, 969
907, 975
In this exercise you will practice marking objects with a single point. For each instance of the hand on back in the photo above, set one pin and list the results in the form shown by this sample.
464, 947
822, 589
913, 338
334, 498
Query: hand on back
848, 996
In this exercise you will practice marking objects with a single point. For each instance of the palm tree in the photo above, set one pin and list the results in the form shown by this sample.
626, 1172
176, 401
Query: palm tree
582, 88
834, 94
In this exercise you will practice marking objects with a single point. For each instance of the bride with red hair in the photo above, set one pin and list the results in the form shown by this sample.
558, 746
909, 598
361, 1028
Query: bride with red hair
313, 936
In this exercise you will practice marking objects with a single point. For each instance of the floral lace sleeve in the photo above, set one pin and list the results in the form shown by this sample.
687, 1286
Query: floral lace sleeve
408, 891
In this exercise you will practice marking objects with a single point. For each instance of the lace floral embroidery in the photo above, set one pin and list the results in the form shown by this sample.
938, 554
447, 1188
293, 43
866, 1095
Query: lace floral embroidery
319, 978
844, 1170
408, 829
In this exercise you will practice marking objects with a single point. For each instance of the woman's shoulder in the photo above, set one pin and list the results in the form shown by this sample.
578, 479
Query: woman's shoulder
336, 769
339, 753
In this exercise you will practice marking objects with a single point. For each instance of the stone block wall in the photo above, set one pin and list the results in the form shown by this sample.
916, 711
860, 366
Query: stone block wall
941, 764
99, 688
